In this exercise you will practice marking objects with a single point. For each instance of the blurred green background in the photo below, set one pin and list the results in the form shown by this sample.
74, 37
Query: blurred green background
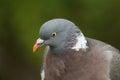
20, 21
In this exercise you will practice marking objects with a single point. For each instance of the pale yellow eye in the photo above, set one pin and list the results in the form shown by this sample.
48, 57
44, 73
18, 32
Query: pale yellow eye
54, 34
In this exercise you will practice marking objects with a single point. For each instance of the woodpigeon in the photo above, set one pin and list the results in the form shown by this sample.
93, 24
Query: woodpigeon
71, 56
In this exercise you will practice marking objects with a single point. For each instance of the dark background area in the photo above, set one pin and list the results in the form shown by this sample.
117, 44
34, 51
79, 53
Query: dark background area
20, 21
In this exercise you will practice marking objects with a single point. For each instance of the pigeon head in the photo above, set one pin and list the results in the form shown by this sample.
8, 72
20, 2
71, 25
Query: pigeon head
59, 34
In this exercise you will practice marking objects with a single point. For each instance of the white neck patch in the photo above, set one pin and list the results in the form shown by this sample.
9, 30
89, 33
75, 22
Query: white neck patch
43, 75
81, 43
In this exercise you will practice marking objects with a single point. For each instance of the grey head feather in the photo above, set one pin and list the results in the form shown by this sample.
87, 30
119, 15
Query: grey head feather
66, 34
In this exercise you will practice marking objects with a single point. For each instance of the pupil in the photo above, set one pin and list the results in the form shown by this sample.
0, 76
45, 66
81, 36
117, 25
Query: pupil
53, 34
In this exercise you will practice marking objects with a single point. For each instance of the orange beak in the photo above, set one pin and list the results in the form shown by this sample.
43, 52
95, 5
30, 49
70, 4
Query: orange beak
38, 44
35, 47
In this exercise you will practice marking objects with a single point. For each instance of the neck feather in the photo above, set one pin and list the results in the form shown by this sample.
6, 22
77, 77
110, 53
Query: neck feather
81, 43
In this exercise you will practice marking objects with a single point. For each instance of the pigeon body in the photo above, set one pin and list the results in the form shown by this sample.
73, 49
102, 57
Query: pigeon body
71, 56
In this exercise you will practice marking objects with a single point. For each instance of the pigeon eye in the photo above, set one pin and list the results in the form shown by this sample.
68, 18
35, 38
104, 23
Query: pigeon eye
53, 34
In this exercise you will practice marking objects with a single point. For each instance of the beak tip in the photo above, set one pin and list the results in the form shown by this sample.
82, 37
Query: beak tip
34, 51
35, 48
